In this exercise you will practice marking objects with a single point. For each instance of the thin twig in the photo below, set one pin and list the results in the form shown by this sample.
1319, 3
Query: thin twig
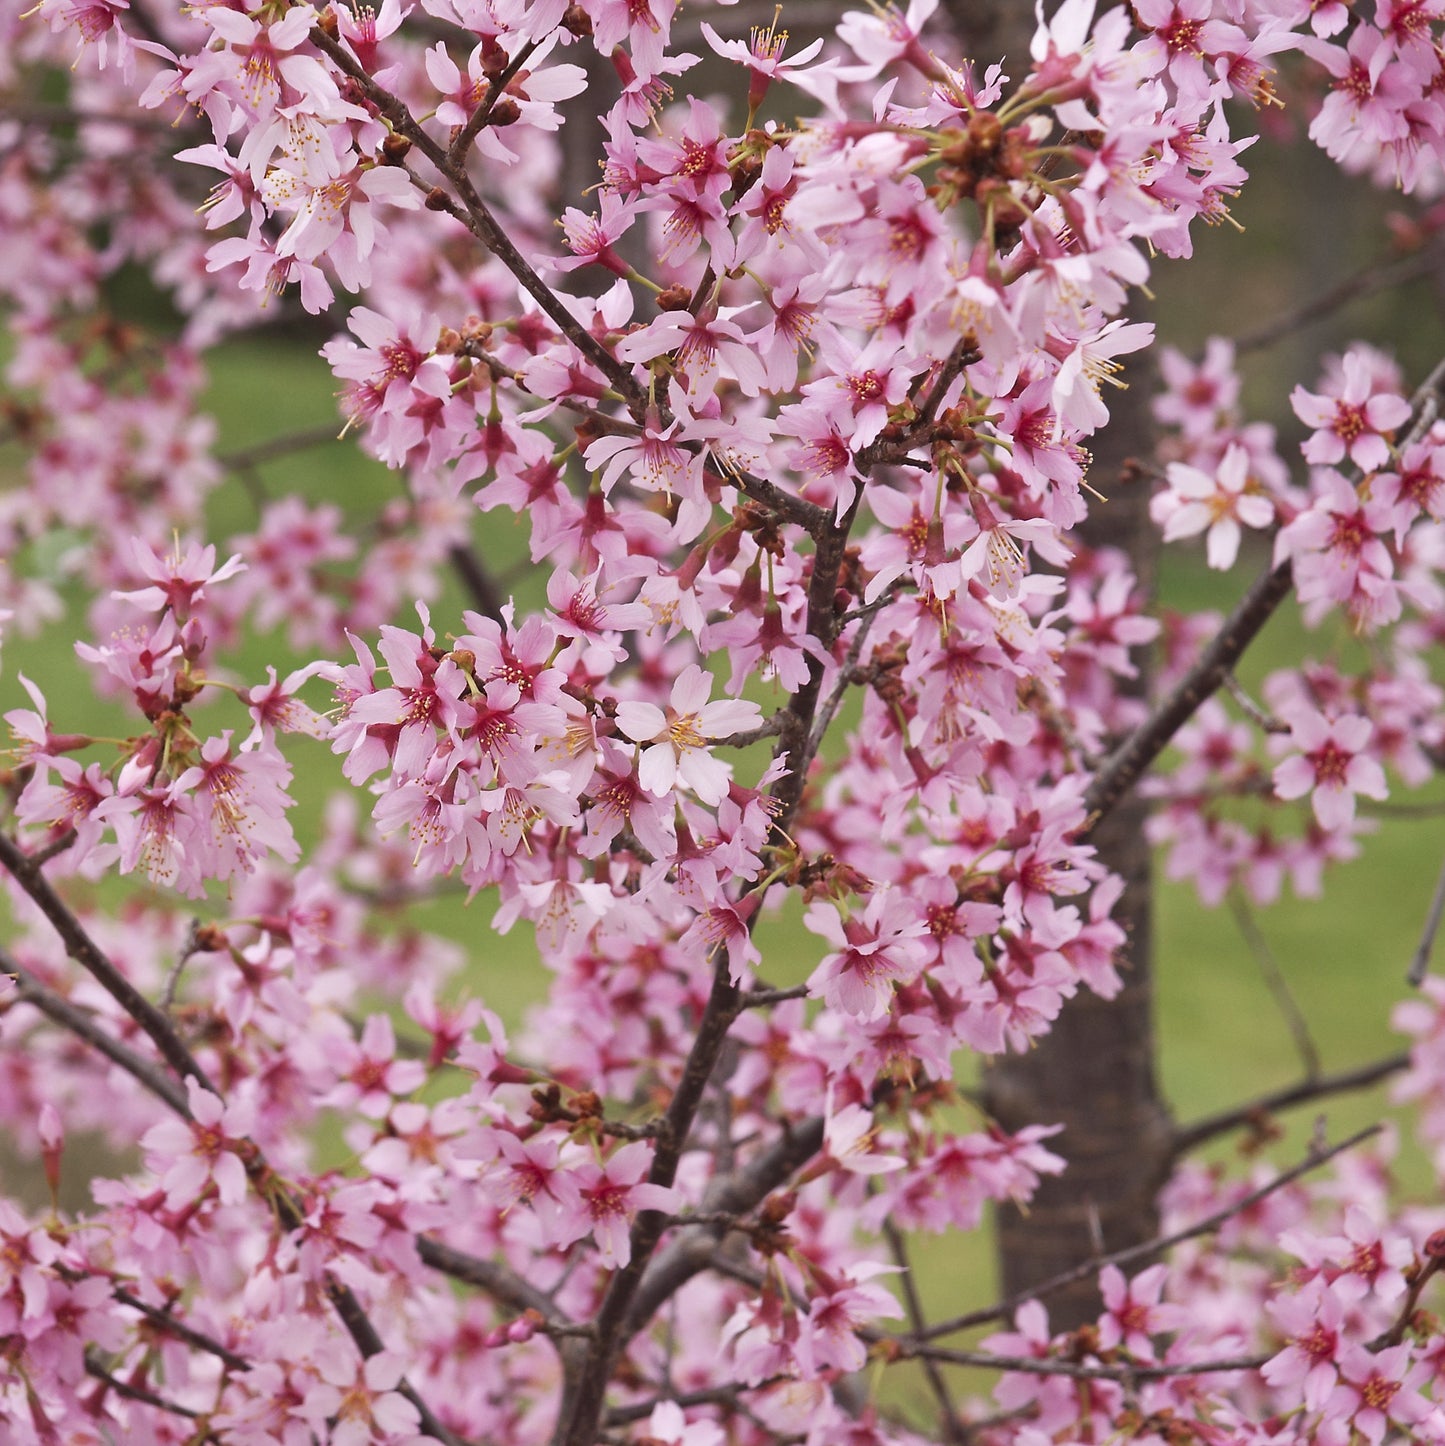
499, 1281
84, 950
1276, 983
94, 1368
1377, 276
165, 1321
917, 1319
1266, 721
1124, 1371
301, 440
761, 998
482, 111
1003, 1309
1190, 1137
81, 1024
290, 1215
1420, 964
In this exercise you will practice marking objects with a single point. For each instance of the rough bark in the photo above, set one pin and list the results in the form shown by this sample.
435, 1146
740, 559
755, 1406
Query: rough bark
1094, 1071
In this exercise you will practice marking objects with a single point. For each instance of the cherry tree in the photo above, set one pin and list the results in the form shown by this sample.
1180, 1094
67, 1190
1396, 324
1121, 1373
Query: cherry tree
794, 403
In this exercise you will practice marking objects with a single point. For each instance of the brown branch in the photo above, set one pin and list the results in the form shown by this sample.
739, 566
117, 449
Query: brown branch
1124, 1371
913, 1304
165, 1321
1192, 1136
81, 1023
83, 949
736, 1193
1003, 1309
301, 440
499, 1281
482, 111
585, 1393
79, 945
759, 998
708, 1396
1420, 964
111, 1382
1123, 769
477, 580
1378, 275
478, 219
1276, 983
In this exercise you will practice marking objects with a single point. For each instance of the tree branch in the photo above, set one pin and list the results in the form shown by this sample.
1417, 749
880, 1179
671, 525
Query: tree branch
1192, 1136
499, 1281
1003, 1309
948, 1412
79, 945
1123, 769
477, 217
1124, 1371
735, 1193
80, 1023
477, 580
1420, 964
1378, 275
83, 949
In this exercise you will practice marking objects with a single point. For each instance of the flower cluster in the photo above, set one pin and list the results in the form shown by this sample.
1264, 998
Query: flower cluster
793, 417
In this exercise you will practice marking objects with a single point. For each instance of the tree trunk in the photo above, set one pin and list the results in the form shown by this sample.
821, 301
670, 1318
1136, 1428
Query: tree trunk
1094, 1071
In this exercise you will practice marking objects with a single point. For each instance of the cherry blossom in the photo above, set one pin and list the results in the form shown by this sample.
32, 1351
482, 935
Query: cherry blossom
1331, 766
676, 739
736, 564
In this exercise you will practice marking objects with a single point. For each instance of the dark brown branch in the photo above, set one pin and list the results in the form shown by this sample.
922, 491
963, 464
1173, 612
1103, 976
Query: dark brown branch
948, 1412
477, 217
477, 580
165, 1321
735, 1193
482, 111
1192, 1136
585, 1395
82, 1024
762, 998
111, 1382
1376, 276
1420, 964
83, 949
500, 1282
709, 1396
79, 945
1004, 1309
1123, 769
1124, 1371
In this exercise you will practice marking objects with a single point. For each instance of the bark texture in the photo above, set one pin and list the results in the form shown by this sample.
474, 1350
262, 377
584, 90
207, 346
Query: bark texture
1094, 1072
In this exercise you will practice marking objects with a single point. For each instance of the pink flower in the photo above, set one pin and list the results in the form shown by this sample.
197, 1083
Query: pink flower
677, 740
605, 1198
1380, 1388
179, 581
1331, 765
875, 949
207, 1149
1196, 501
1132, 1312
1311, 1320
1355, 423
